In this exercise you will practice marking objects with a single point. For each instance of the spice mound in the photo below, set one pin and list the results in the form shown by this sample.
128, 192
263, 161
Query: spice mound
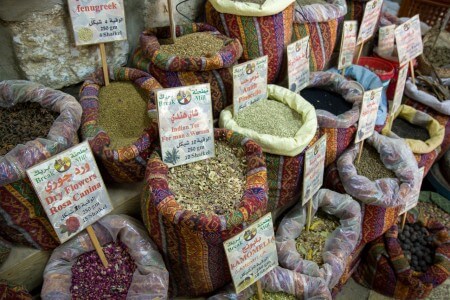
406, 130
91, 280
270, 117
193, 45
326, 100
434, 212
310, 244
439, 56
274, 296
22, 123
122, 113
212, 186
371, 166
418, 246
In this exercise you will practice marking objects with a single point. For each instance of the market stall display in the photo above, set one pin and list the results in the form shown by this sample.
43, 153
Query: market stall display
262, 29
436, 53
136, 268
337, 102
433, 206
191, 240
120, 133
207, 60
22, 218
382, 68
426, 94
284, 153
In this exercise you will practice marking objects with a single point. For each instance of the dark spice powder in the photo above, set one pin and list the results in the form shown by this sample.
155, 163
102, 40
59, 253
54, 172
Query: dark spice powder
326, 100
406, 130
22, 123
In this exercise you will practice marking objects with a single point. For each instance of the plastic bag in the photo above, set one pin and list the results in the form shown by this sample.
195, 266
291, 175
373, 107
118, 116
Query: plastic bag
414, 93
150, 280
339, 244
268, 8
319, 12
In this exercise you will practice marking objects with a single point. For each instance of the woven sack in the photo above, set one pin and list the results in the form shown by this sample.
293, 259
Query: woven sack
284, 156
428, 40
22, 218
386, 270
150, 279
10, 291
260, 31
126, 164
355, 10
320, 22
340, 129
192, 243
381, 199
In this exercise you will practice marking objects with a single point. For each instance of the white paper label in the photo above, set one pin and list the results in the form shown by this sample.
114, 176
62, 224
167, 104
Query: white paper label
314, 169
399, 89
370, 20
386, 40
298, 64
368, 116
409, 40
413, 198
348, 44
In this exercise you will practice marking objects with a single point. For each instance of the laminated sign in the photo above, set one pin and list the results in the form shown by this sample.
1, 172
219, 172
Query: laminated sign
399, 89
252, 253
370, 20
298, 64
368, 117
185, 124
413, 197
348, 44
386, 40
71, 190
97, 21
409, 40
314, 168
249, 83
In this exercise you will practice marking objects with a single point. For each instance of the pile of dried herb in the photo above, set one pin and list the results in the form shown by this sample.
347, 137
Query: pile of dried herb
434, 212
439, 56
212, 186
122, 113
371, 166
274, 296
260, 2
310, 244
22, 123
326, 100
196, 44
270, 117
406, 130
91, 280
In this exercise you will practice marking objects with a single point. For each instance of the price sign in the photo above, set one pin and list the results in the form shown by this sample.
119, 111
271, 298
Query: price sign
71, 190
348, 44
97, 21
368, 116
298, 64
185, 124
249, 83
370, 20
413, 198
386, 40
399, 89
409, 40
252, 253
314, 169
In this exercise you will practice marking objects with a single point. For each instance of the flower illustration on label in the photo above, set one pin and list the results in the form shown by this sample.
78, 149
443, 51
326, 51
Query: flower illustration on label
184, 97
250, 68
62, 164
72, 225
249, 234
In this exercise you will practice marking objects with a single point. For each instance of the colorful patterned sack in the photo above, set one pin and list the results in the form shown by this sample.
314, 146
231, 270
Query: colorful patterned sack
192, 243
381, 199
320, 22
444, 166
126, 164
341, 129
22, 218
10, 291
260, 31
385, 269
284, 156
355, 10
150, 279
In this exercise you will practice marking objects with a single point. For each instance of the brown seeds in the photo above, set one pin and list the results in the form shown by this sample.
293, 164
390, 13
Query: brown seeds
371, 166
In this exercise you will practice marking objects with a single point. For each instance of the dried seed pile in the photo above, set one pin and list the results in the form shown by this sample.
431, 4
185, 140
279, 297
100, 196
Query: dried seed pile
260, 2
434, 212
22, 123
91, 280
196, 44
310, 244
270, 117
212, 186
326, 100
122, 113
376, 71
274, 296
309, 2
439, 56
406, 130
371, 166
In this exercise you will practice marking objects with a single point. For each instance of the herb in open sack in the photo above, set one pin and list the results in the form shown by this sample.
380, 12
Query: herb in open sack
326, 100
371, 166
197, 44
274, 296
407, 130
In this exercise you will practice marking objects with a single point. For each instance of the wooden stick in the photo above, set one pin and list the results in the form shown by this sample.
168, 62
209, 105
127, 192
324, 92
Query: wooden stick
104, 63
403, 220
308, 216
173, 28
97, 246
343, 71
411, 66
260, 291
359, 52
360, 151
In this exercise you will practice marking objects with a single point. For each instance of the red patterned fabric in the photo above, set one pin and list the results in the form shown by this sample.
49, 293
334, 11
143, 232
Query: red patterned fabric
12, 292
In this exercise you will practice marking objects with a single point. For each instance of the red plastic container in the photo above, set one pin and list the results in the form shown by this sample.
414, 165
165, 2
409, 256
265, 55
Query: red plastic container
383, 68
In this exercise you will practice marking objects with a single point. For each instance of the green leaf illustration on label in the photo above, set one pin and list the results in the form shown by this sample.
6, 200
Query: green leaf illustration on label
172, 157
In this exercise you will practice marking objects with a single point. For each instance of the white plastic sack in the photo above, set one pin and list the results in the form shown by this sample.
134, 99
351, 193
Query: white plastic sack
414, 93
268, 8
319, 12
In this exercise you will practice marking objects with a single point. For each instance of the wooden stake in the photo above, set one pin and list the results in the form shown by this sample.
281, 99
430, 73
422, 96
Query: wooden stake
104, 63
260, 291
359, 52
360, 151
411, 66
403, 220
97, 246
343, 71
308, 217
173, 28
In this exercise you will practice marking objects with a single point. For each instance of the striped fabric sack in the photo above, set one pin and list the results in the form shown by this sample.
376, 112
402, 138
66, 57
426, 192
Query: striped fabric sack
320, 22
355, 10
10, 291
262, 30
386, 270
22, 218
126, 164
192, 244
